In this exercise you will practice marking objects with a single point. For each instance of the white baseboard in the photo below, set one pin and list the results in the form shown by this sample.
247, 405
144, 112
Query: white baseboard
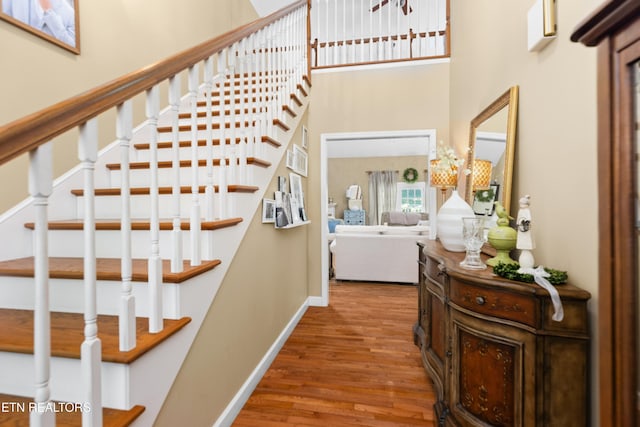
317, 302
231, 411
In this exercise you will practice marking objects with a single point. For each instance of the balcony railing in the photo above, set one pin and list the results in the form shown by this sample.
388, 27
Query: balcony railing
357, 32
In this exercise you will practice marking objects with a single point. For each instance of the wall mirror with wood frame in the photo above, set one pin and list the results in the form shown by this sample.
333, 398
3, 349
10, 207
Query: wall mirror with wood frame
492, 137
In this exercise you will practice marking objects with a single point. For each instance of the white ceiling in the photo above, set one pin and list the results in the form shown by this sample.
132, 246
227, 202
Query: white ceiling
266, 7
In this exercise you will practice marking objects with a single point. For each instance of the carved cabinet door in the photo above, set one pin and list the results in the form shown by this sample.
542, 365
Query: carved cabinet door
492, 376
435, 344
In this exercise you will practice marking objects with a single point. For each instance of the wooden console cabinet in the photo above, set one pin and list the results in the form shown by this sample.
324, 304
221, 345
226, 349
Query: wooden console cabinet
494, 354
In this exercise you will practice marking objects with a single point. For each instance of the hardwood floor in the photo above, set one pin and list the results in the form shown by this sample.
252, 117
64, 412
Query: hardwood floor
353, 363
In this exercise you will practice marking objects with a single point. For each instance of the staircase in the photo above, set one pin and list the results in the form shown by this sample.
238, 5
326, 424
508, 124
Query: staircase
101, 295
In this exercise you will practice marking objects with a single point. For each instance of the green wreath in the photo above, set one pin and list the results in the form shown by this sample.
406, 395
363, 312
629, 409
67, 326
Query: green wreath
410, 175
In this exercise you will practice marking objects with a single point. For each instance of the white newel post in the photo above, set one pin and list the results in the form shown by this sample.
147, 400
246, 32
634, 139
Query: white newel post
176, 231
127, 319
40, 187
155, 262
194, 223
91, 349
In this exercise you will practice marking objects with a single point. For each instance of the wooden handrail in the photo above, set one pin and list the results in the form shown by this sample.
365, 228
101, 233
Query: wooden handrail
25, 134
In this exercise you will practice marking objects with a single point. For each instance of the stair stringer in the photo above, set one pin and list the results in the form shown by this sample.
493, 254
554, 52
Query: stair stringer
148, 380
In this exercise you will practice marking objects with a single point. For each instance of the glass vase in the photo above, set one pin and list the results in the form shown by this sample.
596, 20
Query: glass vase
474, 237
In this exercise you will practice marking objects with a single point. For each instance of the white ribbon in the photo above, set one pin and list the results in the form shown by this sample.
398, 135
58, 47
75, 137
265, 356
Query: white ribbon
539, 275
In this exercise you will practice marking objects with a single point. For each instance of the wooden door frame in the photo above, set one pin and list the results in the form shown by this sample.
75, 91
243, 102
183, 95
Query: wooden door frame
615, 29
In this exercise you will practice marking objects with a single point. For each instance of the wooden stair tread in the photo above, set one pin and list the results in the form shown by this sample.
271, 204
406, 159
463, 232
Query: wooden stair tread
216, 113
106, 269
114, 224
185, 189
307, 79
227, 101
201, 143
302, 89
15, 416
200, 126
186, 163
216, 126
67, 334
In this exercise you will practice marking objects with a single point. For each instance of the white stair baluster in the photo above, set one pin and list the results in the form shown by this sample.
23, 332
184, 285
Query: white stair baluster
270, 77
242, 160
91, 348
232, 130
155, 262
397, 50
419, 29
370, 31
335, 56
388, 52
378, 32
253, 91
222, 167
343, 47
207, 240
327, 49
40, 187
243, 86
177, 264
127, 319
209, 189
195, 220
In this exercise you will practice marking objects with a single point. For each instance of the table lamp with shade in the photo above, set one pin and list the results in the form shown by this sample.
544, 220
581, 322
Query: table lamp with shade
442, 178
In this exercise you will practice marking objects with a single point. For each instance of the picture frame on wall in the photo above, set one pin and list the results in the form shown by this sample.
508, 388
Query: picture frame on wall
290, 160
56, 21
268, 211
305, 138
300, 160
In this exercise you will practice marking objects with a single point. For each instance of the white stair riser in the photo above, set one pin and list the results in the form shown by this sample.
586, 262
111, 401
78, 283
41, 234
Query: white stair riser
140, 177
66, 384
67, 295
70, 243
66, 381
109, 206
185, 153
276, 132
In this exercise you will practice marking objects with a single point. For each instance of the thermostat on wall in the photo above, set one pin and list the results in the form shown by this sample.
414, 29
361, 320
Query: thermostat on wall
541, 21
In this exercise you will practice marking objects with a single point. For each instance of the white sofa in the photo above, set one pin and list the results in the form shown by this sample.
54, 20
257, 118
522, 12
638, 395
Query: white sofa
377, 253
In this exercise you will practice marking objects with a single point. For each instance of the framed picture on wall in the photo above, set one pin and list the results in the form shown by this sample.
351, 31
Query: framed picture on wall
268, 211
300, 160
305, 138
53, 20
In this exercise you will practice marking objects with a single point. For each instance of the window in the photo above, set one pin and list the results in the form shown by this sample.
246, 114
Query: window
410, 197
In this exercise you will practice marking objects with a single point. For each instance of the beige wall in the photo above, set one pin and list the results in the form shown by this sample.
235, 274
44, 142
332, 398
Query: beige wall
405, 98
115, 38
556, 141
343, 172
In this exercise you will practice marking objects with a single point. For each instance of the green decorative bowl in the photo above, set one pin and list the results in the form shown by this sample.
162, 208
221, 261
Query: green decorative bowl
503, 239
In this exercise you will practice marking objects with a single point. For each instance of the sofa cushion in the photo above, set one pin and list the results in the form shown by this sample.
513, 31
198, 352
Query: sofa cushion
402, 218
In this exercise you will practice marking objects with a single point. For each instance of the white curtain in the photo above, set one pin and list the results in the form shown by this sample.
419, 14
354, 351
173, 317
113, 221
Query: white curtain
382, 194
